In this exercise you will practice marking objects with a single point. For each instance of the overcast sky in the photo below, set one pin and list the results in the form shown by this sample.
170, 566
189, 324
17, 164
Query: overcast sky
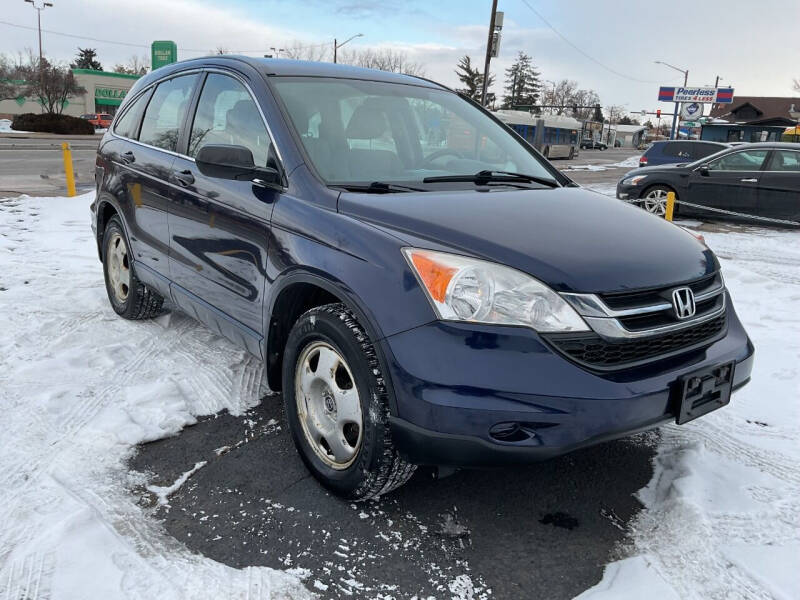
754, 47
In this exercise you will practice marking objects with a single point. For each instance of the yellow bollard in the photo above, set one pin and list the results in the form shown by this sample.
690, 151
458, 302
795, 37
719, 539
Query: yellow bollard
670, 206
68, 169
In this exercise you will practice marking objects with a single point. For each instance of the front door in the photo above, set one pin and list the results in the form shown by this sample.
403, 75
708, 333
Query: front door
219, 228
729, 184
779, 190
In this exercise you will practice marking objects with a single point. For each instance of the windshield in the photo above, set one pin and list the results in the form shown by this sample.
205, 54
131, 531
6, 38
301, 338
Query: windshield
358, 132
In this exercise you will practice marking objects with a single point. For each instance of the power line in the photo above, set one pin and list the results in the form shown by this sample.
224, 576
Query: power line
579, 50
131, 45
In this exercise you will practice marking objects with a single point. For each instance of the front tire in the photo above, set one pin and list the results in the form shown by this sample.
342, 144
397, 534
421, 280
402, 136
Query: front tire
655, 199
129, 297
337, 405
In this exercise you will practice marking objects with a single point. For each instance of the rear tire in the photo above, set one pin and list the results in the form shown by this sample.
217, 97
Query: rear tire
330, 367
129, 297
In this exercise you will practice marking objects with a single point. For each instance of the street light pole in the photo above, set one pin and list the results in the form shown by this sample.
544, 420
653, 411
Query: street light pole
39, 10
685, 83
488, 54
336, 45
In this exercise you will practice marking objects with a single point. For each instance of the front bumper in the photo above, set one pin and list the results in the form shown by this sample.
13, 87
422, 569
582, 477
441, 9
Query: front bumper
457, 385
628, 192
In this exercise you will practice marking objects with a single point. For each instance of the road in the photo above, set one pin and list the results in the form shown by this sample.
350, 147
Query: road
33, 165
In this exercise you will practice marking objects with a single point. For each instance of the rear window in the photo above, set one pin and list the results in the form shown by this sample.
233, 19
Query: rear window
702, 150
678, 149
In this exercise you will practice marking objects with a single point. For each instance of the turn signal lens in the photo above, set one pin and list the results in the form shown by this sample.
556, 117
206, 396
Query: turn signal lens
434, 275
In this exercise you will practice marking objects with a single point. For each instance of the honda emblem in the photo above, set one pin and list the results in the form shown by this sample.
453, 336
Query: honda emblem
683, 302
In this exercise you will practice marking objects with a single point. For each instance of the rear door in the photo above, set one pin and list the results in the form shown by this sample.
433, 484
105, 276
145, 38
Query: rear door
779, 188
219, 228
731, 183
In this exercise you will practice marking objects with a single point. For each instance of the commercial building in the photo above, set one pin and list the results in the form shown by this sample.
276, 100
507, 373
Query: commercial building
104, 93
751, 119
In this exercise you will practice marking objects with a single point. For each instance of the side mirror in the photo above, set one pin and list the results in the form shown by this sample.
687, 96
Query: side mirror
703, 170
223, 161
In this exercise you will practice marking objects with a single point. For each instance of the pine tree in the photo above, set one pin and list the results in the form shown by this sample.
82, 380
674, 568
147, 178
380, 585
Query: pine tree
472, 79
522, 83
87, 59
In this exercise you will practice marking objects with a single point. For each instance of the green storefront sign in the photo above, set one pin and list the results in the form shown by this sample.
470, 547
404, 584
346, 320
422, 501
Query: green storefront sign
109, 96
163, 53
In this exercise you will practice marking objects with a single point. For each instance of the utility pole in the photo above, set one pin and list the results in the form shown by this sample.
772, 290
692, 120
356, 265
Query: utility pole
488, 53
716, 82
39, 10
336, 45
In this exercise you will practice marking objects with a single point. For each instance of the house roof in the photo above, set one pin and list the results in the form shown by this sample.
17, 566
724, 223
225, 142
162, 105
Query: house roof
630, 128
767, 107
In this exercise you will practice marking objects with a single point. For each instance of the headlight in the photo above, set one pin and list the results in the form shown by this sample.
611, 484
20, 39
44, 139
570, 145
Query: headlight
477, 291
633, 180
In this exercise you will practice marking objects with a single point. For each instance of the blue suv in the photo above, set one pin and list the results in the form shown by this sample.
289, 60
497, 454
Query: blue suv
422, 286
666, 152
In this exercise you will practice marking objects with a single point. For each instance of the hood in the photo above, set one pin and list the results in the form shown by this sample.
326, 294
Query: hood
572, 239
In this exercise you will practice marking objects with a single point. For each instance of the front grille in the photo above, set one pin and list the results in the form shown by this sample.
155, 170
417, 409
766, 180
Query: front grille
625, 300
593, 351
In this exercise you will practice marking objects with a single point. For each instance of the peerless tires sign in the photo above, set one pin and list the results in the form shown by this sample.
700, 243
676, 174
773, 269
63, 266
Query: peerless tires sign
707, 95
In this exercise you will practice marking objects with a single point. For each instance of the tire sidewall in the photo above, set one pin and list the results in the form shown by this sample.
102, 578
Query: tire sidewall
320, 325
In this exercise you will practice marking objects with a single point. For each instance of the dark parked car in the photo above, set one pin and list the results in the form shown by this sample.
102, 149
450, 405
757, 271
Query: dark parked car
754, 179
422, 286
667, 152
593, 145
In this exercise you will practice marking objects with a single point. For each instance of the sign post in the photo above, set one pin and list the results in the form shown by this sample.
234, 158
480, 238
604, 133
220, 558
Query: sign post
162, 53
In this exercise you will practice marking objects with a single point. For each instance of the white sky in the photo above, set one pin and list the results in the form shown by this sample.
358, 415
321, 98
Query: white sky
754, 47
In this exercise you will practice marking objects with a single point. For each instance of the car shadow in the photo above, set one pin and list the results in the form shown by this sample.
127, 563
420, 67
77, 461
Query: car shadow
538, 531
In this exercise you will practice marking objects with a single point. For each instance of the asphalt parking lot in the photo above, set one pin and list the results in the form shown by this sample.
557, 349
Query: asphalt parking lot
539, 531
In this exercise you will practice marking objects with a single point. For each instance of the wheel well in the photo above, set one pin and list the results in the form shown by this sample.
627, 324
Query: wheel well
292, 302
104, 213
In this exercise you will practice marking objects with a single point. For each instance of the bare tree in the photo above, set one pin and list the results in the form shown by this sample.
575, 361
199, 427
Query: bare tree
136, 65
560, 96
314, 52
384, 59
13, 78
585, 98
52, 83
615, 113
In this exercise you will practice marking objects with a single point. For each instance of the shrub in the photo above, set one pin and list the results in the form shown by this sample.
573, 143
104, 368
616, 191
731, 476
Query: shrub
52, 123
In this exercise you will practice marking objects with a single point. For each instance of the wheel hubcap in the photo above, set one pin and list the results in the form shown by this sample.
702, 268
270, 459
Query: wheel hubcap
118, 267
656, 202
328, 405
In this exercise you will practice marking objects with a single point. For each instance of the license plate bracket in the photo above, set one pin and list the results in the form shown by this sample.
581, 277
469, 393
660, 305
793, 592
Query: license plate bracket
702, 391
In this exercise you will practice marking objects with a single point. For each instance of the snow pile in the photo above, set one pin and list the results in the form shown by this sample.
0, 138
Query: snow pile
722, 517
632, 162
73, 406
5, 126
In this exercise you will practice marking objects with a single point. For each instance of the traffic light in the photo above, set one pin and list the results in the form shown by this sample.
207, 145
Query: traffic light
658, 113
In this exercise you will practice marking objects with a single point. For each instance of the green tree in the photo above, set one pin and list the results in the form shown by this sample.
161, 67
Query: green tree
522, 82
87, 59
472, 79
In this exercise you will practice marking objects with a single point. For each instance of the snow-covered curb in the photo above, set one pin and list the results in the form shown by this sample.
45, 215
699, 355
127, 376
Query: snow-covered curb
73, 412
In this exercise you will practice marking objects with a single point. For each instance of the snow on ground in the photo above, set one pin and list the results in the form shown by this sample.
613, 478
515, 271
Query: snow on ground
722, 517
79, 387
631, 162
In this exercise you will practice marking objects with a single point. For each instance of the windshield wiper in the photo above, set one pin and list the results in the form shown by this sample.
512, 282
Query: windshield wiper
484, 177
379, 187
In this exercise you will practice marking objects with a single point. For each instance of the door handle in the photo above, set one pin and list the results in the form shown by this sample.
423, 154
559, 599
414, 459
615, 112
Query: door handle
184, 178
750, 180
128, 157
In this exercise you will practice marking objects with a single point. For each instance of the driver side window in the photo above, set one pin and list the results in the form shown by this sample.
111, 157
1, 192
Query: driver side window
227, 114
747, 160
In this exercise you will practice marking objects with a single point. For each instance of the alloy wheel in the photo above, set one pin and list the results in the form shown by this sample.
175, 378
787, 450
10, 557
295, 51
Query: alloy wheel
328, 405
655, 201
